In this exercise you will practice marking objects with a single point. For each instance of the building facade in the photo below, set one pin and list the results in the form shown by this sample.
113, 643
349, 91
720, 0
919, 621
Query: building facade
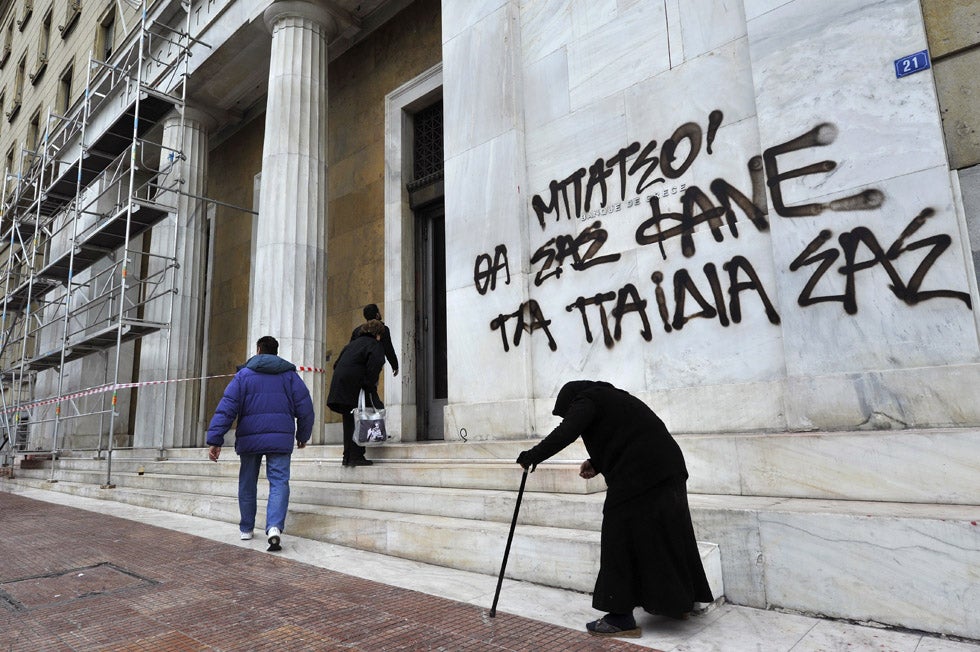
762, 217
673, 196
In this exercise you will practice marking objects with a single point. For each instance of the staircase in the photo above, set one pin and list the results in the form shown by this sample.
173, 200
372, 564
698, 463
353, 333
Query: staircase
443, 504
864, 526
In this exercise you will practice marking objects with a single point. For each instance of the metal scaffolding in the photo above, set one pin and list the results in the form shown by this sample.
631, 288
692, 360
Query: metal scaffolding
77, 276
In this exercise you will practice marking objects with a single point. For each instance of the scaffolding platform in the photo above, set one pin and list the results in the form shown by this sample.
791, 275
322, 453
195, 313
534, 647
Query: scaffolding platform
29, 290
106, 236
96, 158
101, 340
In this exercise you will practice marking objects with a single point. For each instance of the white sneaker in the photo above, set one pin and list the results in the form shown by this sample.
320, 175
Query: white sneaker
245, 536
274, 535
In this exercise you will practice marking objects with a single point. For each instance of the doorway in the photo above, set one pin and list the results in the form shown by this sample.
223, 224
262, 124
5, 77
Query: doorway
430, 288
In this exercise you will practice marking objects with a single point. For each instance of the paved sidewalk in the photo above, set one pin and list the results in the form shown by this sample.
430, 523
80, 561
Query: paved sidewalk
72, 579
84, 574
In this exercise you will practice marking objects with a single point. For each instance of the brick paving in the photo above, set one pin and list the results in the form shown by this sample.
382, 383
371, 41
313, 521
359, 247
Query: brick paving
73, 580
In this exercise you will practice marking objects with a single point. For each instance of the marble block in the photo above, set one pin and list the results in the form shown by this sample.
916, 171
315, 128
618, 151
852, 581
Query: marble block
613, 54
495, 90
709, 24
917, 574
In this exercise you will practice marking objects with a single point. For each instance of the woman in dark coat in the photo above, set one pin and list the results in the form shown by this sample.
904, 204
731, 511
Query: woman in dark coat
357, 367
649, 556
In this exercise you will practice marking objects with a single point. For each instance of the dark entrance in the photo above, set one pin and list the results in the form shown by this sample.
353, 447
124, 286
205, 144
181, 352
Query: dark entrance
426, 195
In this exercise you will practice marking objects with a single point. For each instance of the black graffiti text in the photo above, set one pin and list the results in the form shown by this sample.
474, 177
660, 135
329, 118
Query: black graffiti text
715, 307
851, 241
486, 269
529, 319
697, 208
820, 136
627, 300
551, 256
723, 301
573, 195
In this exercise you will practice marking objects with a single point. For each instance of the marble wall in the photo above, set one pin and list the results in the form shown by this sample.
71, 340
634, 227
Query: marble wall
735, 210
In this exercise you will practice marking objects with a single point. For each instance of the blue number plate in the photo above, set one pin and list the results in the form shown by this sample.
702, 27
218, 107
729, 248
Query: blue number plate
912, 63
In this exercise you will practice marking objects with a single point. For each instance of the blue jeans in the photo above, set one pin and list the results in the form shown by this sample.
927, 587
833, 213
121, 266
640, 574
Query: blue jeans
277, 472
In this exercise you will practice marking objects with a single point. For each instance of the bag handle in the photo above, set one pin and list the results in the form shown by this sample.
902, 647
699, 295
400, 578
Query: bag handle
362, 398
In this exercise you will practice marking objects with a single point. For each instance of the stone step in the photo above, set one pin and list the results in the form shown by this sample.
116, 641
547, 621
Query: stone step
936, 466
537, 508
552, 556
907, 565
554, 477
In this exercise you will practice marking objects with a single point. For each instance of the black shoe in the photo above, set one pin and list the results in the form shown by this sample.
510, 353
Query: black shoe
602, 627
345, 462
360, 462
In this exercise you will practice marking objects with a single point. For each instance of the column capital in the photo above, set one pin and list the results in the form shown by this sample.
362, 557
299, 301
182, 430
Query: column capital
313, 11
205, 120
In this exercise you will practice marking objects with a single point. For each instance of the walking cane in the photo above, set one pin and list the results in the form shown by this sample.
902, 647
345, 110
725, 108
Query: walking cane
510, 537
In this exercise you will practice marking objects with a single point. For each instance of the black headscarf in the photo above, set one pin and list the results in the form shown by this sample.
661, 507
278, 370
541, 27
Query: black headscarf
570, 391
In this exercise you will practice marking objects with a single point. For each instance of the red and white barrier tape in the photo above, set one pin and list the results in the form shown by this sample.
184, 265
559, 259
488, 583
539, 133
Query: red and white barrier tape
114, 387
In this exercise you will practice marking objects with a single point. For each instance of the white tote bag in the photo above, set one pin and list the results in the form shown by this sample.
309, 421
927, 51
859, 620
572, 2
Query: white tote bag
369, 423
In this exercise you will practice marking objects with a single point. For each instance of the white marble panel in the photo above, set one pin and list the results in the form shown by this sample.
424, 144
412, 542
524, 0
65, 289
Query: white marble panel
916, 573
727, 161
736, 531
708, 24
717, 80
559, 148
491, 97
913, 398
546, 89
569, 562
591, 15
822, 338
969, 181
485, 207
503, 419
618, 53
480, 369
738, 407
546, 26
755, 8
816, 63
458, 17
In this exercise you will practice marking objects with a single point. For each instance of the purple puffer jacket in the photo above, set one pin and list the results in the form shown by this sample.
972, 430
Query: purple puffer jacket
272, 405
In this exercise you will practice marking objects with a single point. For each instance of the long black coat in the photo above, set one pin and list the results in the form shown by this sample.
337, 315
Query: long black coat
357, 367
385, 343
649, 555
627, 442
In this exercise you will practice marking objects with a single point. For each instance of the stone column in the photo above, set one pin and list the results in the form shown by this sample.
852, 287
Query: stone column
167, 414
289, 270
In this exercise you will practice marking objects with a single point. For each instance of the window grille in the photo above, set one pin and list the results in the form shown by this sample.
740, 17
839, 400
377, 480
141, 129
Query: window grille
427, 155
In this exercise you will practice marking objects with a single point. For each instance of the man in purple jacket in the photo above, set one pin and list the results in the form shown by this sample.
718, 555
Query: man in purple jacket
273, 407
